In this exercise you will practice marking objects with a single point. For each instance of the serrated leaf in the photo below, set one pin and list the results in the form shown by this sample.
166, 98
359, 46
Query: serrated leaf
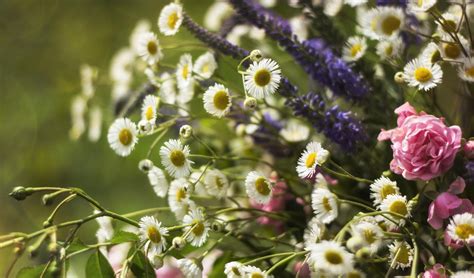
33, 272
141, 267
98, 267
123, 236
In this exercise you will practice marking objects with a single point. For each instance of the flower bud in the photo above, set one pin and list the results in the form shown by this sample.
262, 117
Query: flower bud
178, 242
32, 250
217, 226
156, 261
144, 127
364, 253
256, 55
185, 131
250, 103
145, 165
47, 199
399, 77
53, 248
355, 243
47, 223
20, 193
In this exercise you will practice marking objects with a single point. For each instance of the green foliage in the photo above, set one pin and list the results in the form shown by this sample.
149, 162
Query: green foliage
98, 267
141, 267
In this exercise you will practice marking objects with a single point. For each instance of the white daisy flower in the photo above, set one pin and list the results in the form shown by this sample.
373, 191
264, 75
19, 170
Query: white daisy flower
189, 268
122, 136
149, 108
462, 274
158, 181
167, 91
251, 271
370, 234
382, 22
466, 71
178, 198
324, 204
355, 3
354, 49
431, 53
106, 229
388, 49
170, 19
381, 188
313, 232
205, 65
153, 234
452, 50
299, 25
401, 254
95, 124
461, 228
295, 131
313, 156
451, 22
199, 227
216, 183
416, 6
174, 156
268, 3
398, 204
217, 100
143, 26
331, 258
258, 187
234, 270
184, 70
121, 66
197, 178
262, 78
185, 91
216, 14
149, 48
422, 74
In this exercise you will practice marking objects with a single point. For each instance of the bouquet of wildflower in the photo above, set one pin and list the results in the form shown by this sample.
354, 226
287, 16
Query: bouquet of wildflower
293, 138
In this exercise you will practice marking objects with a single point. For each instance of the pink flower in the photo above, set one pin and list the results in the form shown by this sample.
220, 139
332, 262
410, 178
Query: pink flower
469, 149
448, 204
303, 269
437, 271
423, 146
448, 241
169, 271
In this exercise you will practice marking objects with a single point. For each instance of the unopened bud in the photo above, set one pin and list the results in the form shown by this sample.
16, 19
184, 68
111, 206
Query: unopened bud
217, 226
20, 193
364, 253
156, 261
185, 131
250, 103
47, 199
399, 77
145, 165
355, 243
178, 242
53, 248
256, 55
144, 127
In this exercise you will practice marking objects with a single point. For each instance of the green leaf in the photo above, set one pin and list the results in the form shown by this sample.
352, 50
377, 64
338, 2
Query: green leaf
141, 267
76, 245
219, 265
98, 267
33, 272
123, 236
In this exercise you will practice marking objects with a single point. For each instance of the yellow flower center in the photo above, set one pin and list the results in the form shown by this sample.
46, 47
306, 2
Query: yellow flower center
420, 3
256, 275
333, 257
390, 24
355, 49
452, 50
399, 207
469, 72
449, 26
389, 50
185, 71
125, 137
387, 190
152, 47
149, 113
262, 77
219, 183
311, 159
369, 236
153, 234
403, 255
236, 271
177, 158
198, 228
221, 100
423, 74
262, 186
205, 68
326, 204
180, 194
464, 231
172, 19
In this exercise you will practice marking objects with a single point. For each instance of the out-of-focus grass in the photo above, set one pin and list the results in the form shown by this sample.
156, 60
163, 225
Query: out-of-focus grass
42, 45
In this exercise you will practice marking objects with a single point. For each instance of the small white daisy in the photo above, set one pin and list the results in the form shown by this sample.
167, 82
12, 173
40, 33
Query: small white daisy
174, 156
217, 100
331, 258
198, 228
382, 23
149, 108
153, 234
313, 232
234, 270
452, 50
355, 3
381, 188
170, 19
461, 228
354, 49
189, 268
178, 198
251, 271
142, 26
462, 274
122, 136
416, 6
262, 78
324, 204
216, 14
422, 74
149, 48
216, 183
431, 53
184, 70
313, 156
370, 233
205, 65
295, 131
167, 92
401, 254
185, 91
389, 49
121, 66
451, 22
398, 204
466, 71
158, 181
258, 187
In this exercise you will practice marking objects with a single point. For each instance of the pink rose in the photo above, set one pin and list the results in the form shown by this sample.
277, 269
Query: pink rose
423, 146
469, 149
437, 271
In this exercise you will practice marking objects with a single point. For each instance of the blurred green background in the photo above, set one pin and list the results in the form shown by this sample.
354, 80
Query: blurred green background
42, 45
